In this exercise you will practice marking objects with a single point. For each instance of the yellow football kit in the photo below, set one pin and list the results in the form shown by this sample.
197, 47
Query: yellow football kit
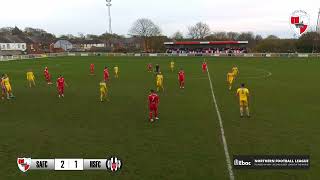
30, 76
7, 84
103, 90
159, 80
172, 65
243, 94
116, 71
235, 71
230, 78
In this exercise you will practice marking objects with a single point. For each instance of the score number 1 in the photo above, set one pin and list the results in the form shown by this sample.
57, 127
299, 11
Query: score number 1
68, 164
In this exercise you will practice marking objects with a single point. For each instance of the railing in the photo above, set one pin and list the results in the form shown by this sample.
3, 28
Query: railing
264, 55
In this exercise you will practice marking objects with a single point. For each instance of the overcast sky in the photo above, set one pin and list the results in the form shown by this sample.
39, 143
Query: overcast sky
90, 16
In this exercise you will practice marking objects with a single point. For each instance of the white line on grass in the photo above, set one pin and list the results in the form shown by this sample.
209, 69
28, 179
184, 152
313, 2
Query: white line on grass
224, 141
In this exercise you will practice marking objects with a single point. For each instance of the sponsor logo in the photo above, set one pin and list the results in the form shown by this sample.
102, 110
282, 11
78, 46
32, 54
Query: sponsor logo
237, 162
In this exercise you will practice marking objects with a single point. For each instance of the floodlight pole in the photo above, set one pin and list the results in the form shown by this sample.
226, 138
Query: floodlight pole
315, 43
109, 14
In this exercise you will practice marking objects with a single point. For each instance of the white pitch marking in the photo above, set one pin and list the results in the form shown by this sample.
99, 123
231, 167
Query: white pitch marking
224, 141
268, 74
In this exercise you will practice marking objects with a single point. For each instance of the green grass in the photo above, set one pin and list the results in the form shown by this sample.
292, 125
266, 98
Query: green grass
185, 143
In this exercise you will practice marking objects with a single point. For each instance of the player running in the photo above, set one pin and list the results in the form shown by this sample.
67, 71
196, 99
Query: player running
181, 78
103, 91
159, 81
235, 71
3, 88
31, 78
47, 75
6, 82
243, 94
153, 105
172, 66
230, 78
204, 66
149, 67
106, 74
60, 85
91, 69
116, 71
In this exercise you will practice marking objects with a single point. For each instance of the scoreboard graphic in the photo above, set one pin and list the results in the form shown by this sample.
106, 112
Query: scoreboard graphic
111, 164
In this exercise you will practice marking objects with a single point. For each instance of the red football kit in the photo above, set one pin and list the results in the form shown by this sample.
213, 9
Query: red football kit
153, 105
47, 75
60, 85
149, 67
181, 78
106, 75
204, 67
91, 68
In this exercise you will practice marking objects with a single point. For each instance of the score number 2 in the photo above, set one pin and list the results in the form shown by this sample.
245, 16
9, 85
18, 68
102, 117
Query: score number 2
69, 164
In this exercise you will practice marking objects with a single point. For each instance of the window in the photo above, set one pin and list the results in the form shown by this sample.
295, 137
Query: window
3, 46
8, 46
19, 46
23, 46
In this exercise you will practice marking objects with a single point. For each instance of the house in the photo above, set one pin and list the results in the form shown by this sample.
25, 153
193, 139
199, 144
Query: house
87, 45
63, 44
12, 43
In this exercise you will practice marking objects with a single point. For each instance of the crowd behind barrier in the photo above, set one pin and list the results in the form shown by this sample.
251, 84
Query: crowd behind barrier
266, 55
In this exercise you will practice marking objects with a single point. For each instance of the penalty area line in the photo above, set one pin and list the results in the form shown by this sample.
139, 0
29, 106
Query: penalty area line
223, 137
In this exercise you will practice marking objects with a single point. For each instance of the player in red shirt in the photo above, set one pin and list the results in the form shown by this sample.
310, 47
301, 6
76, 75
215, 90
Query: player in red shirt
204, 66
47, 75
106, 74
149, 67
181, 78
92, 69
153, 105
60, 85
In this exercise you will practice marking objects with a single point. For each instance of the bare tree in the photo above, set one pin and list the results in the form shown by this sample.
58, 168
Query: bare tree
177, 36
199, 31
232, 35
145, 29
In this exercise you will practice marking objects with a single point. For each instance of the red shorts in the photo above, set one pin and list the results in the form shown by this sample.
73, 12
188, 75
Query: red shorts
106, 77
60, 89
153, 107
181, 79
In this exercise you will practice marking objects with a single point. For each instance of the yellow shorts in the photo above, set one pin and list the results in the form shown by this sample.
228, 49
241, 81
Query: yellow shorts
8, 88
159, 84
244, 103
230, 81
30, 79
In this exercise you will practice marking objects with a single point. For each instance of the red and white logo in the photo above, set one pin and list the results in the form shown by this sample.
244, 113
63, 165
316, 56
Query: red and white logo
24, 164
299, 22
114, 164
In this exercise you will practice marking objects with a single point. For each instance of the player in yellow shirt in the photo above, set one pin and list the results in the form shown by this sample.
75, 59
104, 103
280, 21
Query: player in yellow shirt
103, 91
235, 71
7, 85
3, 88
230, 78
31, 78
172, 66
116, 71
243, 94
159, 82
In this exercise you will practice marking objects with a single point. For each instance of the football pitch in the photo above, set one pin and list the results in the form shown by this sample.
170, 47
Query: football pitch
186, 142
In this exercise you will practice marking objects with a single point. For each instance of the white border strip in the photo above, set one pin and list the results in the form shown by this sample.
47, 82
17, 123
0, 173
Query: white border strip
224, 141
